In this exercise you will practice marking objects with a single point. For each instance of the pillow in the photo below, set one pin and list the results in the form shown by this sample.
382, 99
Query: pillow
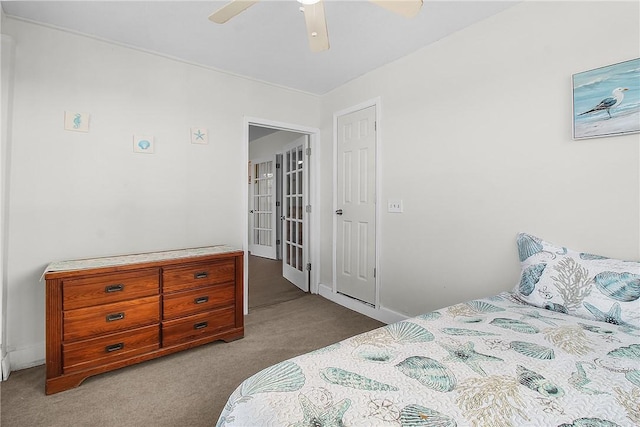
581, 284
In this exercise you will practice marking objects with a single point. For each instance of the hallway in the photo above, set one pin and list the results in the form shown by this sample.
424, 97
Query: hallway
266, 284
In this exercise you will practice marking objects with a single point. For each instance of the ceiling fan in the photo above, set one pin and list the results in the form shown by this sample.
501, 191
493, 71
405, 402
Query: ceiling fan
314, 16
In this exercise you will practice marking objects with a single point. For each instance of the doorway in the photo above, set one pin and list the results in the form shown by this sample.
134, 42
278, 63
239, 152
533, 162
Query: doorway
279, 244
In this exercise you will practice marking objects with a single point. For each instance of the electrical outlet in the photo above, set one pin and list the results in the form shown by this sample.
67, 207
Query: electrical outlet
394, 206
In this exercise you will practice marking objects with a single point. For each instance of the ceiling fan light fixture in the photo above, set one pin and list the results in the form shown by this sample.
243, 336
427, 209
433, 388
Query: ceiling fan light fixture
314, 16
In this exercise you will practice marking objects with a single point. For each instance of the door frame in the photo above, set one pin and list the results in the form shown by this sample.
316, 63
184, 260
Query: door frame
314, 197
8, 65
346, 301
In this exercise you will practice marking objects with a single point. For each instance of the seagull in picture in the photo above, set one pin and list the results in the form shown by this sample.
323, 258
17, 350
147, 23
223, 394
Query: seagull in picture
610, 102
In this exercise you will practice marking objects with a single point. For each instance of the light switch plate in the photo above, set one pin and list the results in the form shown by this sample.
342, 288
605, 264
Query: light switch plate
394, 206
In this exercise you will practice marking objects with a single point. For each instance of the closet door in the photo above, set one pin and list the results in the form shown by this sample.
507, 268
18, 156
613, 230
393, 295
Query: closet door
355, 208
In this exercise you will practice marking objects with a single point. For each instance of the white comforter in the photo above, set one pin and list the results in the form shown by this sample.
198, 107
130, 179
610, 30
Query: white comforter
489, 362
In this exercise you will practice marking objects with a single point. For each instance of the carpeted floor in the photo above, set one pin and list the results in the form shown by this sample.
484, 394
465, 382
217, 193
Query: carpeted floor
266, 284
187, 388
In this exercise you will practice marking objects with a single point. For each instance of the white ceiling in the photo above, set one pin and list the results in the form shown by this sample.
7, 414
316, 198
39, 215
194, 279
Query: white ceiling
267, 42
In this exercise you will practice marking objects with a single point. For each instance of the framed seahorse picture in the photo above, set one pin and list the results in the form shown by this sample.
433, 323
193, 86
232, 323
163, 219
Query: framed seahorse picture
76, 122
606, 101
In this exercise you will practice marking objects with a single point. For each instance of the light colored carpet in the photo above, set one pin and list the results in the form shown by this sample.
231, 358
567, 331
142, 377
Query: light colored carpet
187, 388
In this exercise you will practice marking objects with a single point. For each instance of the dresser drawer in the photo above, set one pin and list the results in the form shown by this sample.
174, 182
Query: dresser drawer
198, 275
107, 318
182, 304
110, 348
197, 326
108, 288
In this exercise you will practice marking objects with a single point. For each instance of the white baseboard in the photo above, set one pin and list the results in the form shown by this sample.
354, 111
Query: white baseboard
381, 314
26, 357
5, 367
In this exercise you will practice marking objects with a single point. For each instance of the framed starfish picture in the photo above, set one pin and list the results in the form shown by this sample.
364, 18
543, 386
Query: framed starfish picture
199, 136
606, 101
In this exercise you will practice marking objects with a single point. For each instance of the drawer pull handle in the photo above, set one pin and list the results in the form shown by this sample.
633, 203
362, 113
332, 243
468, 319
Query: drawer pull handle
201, 275
114, 288
114, 347
200, 325
201, 300
115, 316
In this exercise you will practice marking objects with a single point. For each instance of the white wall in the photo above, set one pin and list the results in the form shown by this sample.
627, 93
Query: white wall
476, 140
5, 150
270, 144
87, 194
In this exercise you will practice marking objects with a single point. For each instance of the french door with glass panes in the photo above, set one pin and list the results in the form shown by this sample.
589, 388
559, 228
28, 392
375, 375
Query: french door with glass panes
262, 214
295, 181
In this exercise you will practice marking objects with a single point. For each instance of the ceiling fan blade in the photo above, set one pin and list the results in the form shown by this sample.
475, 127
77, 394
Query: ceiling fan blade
230, 10
316, 26
406, 8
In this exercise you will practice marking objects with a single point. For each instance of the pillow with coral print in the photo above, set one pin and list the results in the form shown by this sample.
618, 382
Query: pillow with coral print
581, 284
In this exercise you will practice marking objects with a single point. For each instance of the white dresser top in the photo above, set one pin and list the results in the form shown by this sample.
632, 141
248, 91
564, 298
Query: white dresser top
84, 264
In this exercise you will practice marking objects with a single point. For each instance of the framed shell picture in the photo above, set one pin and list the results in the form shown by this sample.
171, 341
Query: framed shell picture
143, 144
606, 101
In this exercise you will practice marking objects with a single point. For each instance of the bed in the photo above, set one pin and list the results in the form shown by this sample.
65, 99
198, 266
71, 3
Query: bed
561, 349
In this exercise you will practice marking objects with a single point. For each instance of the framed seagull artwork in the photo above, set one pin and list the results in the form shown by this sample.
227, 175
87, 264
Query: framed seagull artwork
606, 101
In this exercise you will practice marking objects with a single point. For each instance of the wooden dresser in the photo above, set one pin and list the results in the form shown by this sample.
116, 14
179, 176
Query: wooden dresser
107, 313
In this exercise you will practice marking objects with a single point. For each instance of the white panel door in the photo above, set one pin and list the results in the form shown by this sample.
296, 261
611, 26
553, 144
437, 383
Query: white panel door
356, 210
262, 214
295, 183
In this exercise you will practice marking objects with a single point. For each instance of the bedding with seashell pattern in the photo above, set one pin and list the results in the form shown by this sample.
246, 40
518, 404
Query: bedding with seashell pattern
490, 362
